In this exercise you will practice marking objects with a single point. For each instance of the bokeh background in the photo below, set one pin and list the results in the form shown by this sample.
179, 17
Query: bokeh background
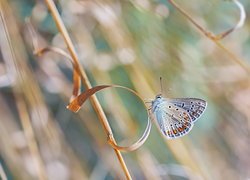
130, 43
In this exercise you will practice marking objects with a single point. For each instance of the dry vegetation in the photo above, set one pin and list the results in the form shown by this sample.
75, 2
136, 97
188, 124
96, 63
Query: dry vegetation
200, 48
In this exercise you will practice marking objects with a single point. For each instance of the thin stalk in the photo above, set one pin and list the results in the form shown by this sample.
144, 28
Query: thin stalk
30, 135
24, 117
212, 37
95, 103
208, 34
2, 173
240, 62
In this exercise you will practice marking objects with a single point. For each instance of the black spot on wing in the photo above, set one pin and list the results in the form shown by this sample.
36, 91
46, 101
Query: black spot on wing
195, 107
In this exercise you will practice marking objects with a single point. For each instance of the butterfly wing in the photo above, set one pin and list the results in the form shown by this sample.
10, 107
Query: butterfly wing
194, 107
173, 121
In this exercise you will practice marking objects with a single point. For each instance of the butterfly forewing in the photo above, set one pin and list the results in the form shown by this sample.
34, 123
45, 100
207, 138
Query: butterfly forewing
173, 121
193, 106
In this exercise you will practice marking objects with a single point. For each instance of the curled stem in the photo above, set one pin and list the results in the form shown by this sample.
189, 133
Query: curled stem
40, 51
208, 33
95, 103
77, 103
216, 38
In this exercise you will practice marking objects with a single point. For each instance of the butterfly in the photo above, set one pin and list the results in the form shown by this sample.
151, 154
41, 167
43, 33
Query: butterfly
176, 117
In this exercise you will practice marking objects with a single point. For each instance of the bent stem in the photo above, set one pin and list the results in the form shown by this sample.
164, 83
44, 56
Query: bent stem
208, 33
95, 103
77, 103
216, 38
182, 11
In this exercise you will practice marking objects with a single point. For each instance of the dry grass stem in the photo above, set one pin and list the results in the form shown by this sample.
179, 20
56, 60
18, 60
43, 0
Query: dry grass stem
24, 117
130, 44
2, 173
85, 81
216, 38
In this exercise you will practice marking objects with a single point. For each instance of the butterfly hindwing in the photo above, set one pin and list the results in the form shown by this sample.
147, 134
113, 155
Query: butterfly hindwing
194, 106
173, 121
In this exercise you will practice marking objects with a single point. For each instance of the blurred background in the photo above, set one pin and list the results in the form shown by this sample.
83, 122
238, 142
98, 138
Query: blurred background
129, 43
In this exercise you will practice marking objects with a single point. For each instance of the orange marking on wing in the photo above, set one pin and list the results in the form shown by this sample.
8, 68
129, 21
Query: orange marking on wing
171, 132
193, 113
186, 118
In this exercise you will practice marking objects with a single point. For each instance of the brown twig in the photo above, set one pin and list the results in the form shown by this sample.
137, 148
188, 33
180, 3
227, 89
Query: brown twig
215, 38
77, 103
208, 33
96, 105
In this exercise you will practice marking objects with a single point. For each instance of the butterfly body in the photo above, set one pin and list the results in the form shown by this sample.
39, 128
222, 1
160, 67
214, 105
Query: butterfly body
176, 117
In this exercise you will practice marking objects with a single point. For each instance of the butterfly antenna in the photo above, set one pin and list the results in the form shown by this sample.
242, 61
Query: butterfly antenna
161, 85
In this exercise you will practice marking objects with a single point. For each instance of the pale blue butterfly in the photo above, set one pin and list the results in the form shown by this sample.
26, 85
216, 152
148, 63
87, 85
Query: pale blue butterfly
176, 117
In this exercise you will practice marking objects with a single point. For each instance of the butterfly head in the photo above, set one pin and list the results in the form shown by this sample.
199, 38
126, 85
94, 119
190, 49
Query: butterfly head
158, 99
159, 96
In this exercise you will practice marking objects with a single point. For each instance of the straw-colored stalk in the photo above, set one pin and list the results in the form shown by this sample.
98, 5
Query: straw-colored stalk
2, 173
95, 103
216, 38
22, 109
